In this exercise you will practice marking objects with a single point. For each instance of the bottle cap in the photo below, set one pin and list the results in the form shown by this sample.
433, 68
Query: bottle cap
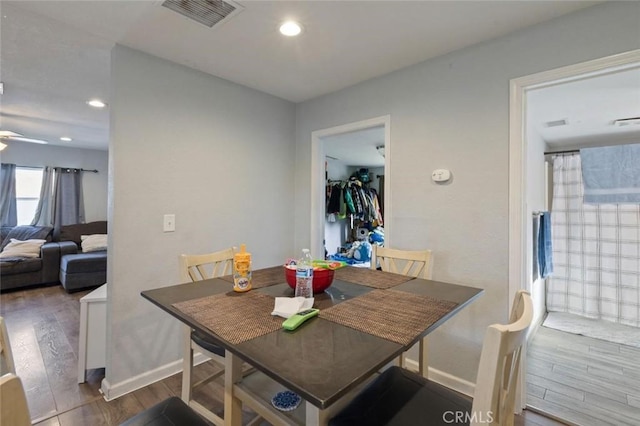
243, 256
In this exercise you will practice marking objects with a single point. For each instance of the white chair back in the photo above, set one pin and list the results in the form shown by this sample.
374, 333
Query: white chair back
413, 263
199, 267
6, 356
494, 396
14, 410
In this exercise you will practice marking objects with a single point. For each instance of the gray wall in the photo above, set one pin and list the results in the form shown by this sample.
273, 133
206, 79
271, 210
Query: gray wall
452, 112
217, 155
94, 184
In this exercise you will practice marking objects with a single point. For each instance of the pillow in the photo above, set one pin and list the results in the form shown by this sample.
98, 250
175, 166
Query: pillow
95, 242
76, 231
27, 232
18, 248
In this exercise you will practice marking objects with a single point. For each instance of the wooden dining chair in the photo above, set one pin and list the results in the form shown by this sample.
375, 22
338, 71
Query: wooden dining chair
7, 364
413, 263
14, 410
399, 397
195, 268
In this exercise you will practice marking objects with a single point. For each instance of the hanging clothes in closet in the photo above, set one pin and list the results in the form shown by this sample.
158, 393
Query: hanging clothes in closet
354, 198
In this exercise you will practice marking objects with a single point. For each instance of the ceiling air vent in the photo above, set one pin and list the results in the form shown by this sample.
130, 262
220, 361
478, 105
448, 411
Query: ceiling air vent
206, 12
556, 123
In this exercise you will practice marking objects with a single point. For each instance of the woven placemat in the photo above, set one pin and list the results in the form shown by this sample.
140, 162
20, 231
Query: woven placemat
390, 314
370, 278
236, 317
263, 277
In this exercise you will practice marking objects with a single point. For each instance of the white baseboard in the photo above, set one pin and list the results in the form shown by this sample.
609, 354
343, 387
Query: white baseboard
116, 390
445, 379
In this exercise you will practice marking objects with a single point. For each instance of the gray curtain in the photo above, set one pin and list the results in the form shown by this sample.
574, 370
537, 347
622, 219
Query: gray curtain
68, 203
8, 204
44, 211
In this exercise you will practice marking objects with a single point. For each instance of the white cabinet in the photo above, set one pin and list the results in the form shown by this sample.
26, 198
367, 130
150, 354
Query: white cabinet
93, 332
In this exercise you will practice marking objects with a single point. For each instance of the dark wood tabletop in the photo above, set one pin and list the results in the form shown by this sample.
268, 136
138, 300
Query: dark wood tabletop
321, 360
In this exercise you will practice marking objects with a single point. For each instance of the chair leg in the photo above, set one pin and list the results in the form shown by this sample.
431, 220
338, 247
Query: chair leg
187, 364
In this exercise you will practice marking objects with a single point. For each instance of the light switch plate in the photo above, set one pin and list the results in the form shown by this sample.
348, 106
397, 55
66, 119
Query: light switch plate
169, 223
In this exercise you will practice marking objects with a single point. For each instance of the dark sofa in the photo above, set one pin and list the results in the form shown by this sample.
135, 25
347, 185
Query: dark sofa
61, 260
23, 272
80, 270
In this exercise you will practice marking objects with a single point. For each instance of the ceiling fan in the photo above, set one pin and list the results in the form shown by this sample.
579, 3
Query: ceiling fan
9, 135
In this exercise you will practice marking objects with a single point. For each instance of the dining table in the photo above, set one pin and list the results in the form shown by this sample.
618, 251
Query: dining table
367, 319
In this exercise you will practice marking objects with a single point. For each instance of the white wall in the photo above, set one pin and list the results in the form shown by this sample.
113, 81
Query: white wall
217, 155
94, 184
452, 112
536, 202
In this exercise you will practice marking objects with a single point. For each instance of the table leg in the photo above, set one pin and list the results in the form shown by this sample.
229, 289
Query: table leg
424, 358
187, 363
232, 375
315, 416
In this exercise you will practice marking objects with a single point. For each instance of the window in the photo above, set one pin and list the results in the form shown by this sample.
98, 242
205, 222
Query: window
28, 184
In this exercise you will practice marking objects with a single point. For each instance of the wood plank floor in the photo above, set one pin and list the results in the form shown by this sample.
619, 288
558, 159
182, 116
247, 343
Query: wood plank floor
583, 380
43, 325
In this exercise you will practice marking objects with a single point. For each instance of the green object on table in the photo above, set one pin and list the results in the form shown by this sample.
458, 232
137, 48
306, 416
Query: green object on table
326, 264
296, 320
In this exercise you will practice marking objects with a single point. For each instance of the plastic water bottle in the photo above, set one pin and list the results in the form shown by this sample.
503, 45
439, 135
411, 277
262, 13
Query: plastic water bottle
304, 275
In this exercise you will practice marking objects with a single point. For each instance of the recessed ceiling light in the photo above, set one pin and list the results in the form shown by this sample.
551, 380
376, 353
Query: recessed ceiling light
290, 28
66, 139
96, 103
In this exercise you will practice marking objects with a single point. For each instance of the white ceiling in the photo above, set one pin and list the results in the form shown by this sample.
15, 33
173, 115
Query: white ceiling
589, 107
55, 54
356, 148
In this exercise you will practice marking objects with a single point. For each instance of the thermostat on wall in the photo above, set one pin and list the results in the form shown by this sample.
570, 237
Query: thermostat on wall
441, 175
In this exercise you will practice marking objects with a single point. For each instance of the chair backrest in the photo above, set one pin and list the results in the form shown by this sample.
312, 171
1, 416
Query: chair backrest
199, 267
494, 396
14, 410
6, 356
414, 263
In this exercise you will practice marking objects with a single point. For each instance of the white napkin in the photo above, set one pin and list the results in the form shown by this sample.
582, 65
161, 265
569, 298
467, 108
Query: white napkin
288, 306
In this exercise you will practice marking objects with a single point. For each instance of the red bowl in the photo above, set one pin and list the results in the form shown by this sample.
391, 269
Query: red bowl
322, 278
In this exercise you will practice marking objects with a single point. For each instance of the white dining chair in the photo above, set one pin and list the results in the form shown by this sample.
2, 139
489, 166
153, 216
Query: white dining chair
195, 268
7, 365
412, 263
14, 410
399, 397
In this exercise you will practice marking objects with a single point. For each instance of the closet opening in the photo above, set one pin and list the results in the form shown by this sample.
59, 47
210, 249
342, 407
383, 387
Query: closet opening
352, 162
354, 203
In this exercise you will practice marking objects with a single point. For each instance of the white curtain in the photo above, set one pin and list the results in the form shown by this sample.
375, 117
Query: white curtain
596, 251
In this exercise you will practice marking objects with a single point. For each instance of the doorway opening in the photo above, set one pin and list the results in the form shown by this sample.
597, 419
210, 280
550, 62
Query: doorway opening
573, 377
337, 153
